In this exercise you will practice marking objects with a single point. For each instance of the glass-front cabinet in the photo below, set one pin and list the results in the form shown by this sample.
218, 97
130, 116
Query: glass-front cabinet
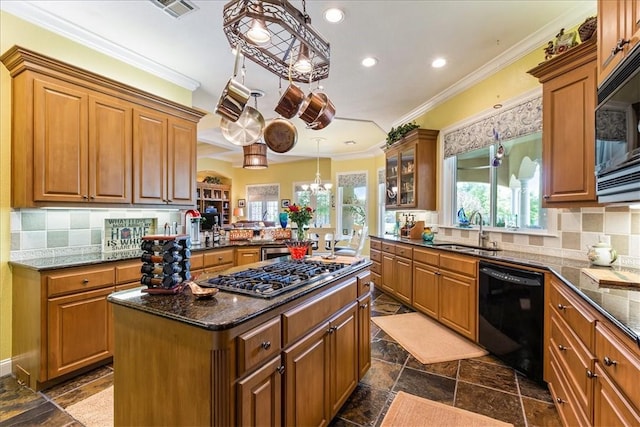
411, 171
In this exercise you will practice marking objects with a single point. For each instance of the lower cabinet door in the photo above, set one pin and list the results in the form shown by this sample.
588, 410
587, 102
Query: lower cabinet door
260, 396
344, 356
425, 289
364, 335
79, 331
611, 408
307, 380
458, 303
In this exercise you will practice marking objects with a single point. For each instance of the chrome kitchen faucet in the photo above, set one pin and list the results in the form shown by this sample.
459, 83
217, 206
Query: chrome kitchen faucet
482, 235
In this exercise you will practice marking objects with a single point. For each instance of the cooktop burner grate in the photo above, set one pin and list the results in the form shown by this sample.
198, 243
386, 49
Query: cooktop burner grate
273, 279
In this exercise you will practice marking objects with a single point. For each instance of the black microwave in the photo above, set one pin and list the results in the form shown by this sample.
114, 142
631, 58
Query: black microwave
618, 133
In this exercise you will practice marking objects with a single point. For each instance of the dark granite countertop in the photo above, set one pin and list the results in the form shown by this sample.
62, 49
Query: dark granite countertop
225, 310
621, 305
66, 261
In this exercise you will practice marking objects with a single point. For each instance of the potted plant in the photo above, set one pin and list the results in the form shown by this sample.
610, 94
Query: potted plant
396, 134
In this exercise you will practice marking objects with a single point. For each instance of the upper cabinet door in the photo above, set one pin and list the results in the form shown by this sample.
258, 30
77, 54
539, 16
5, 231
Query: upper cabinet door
407, 176
110, 124
391, 198
60, 141
618, 33
181, 167
149, 157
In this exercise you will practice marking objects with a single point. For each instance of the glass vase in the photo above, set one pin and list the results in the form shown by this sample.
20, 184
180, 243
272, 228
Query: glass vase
301, 232
284, 218
298, 248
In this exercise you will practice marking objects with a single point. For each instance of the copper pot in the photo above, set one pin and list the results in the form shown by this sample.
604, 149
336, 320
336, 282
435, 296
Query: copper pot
326, 115
280, 135
311, 108
290, 101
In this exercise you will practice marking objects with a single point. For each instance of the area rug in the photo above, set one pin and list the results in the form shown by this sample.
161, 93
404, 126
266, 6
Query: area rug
427, 340
94, 411
409, 410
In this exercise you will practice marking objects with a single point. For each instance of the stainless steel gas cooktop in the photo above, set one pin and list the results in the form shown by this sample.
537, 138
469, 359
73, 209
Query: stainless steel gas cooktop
274, 279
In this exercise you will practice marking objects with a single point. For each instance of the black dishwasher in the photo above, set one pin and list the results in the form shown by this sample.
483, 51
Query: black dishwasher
511, 316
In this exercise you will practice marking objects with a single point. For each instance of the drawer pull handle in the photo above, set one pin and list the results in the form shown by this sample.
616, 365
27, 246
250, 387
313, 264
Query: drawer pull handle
266, 345
609, 362
561, 347
562, 307
332, 329
367, 284
364, 306
591, 374
219, 258
85, 281
559, 400
280, 369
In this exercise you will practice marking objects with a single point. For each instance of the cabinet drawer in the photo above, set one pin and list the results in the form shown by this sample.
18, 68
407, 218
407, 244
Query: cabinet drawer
258, 344
79, 279
212, 259
574, 360
364, 283
388, 247
611, 408
376, 268
404, 251
575, 314
305, 317
197, 261
569, 412
458, 264
375, 255
375, 244
426, 256
619, 362
128, 272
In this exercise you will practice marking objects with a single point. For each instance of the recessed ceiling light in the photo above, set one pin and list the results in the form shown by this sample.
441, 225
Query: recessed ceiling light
439, 63
333, 15
369, 61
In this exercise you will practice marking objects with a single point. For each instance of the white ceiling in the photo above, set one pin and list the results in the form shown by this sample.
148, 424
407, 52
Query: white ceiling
476, 38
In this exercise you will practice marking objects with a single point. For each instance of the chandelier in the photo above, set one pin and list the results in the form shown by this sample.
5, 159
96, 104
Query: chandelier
316, 186
274, 34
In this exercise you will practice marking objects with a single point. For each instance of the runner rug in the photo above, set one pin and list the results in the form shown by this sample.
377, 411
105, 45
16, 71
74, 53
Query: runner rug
427, 340
94, 411
409, 410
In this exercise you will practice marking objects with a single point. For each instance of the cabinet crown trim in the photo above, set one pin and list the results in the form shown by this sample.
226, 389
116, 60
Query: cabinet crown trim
19, 59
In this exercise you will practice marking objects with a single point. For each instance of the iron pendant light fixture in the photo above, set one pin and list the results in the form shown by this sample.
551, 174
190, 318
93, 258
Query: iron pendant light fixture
272, 33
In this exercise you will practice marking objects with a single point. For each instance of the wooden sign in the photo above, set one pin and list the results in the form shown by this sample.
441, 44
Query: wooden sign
125, 234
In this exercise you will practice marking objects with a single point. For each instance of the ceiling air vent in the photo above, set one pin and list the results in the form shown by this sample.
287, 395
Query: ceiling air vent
175, 8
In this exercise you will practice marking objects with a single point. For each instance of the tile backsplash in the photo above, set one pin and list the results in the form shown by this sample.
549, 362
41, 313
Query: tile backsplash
576, 230
37, 233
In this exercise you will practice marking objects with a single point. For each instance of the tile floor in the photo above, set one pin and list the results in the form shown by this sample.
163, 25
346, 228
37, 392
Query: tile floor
483, 385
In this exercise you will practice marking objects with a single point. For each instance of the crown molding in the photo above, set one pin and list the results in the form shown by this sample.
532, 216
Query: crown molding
574, 17
30, 12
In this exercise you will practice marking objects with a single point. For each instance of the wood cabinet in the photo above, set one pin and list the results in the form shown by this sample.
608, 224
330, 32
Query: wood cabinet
218, 259
294, 364
618, 33
62, 321
216, 196
375, 255
410, 168
445, 287
247, 255
164, 159
592, 368
569, 88
403, 282
260, 395
75, 136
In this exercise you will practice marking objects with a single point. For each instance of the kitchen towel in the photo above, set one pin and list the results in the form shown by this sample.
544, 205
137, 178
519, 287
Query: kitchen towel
409, 410
94, 411
427, 340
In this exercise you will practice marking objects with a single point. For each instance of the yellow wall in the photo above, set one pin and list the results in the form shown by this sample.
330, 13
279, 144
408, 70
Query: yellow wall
15, 31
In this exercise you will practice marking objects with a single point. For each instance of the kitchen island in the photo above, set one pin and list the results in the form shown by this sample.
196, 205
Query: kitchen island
236, 359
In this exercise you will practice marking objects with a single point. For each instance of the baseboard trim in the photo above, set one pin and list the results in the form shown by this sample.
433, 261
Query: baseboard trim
5, 367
